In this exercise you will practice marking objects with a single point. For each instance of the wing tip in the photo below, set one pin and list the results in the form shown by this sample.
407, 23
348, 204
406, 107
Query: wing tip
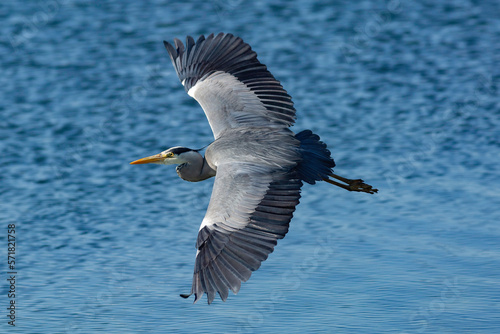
186, 295
197, 297
178, 48
172, 52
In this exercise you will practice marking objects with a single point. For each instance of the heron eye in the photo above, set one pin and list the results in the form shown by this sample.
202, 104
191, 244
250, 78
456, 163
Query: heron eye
170, 155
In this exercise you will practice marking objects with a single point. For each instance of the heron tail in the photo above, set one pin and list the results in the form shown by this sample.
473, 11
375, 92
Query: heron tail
317, 163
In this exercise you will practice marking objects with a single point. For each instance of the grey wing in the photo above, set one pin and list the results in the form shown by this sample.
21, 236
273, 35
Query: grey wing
234, 89
250, 209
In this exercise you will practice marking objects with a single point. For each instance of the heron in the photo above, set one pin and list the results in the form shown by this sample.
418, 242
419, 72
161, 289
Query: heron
258, 162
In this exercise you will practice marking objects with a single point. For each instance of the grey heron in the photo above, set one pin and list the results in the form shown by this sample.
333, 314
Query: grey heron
259, 164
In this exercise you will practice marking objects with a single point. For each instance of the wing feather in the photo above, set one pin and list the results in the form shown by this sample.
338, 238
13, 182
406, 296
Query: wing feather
250, 209
234, 89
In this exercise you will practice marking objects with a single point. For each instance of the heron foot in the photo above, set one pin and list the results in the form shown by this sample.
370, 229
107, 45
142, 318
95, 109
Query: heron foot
352, 185
360, 185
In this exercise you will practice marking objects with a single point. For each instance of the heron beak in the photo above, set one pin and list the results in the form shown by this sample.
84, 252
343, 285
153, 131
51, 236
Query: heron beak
157, 158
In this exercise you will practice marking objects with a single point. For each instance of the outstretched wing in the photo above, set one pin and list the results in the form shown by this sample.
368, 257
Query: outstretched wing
250, 209
234, 89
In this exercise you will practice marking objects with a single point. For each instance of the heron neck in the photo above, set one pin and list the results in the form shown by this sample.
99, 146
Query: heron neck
195, 170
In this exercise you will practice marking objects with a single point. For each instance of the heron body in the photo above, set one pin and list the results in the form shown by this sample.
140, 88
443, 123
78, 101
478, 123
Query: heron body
259, 164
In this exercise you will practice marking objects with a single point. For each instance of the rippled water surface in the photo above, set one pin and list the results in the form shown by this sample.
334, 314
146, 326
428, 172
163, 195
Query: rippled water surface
406, 94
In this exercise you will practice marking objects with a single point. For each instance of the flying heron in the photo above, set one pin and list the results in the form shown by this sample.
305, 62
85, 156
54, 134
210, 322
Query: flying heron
259, 164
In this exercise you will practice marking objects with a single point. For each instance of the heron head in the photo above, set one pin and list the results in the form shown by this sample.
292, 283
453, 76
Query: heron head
173, 156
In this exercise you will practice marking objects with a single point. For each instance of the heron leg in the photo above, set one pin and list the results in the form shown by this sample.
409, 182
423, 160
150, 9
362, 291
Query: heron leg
351, 185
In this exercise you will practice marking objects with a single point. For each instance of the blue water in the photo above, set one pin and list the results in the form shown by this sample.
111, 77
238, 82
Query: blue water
406, 94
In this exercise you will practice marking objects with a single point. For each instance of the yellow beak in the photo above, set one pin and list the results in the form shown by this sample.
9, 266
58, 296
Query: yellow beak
149, 160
